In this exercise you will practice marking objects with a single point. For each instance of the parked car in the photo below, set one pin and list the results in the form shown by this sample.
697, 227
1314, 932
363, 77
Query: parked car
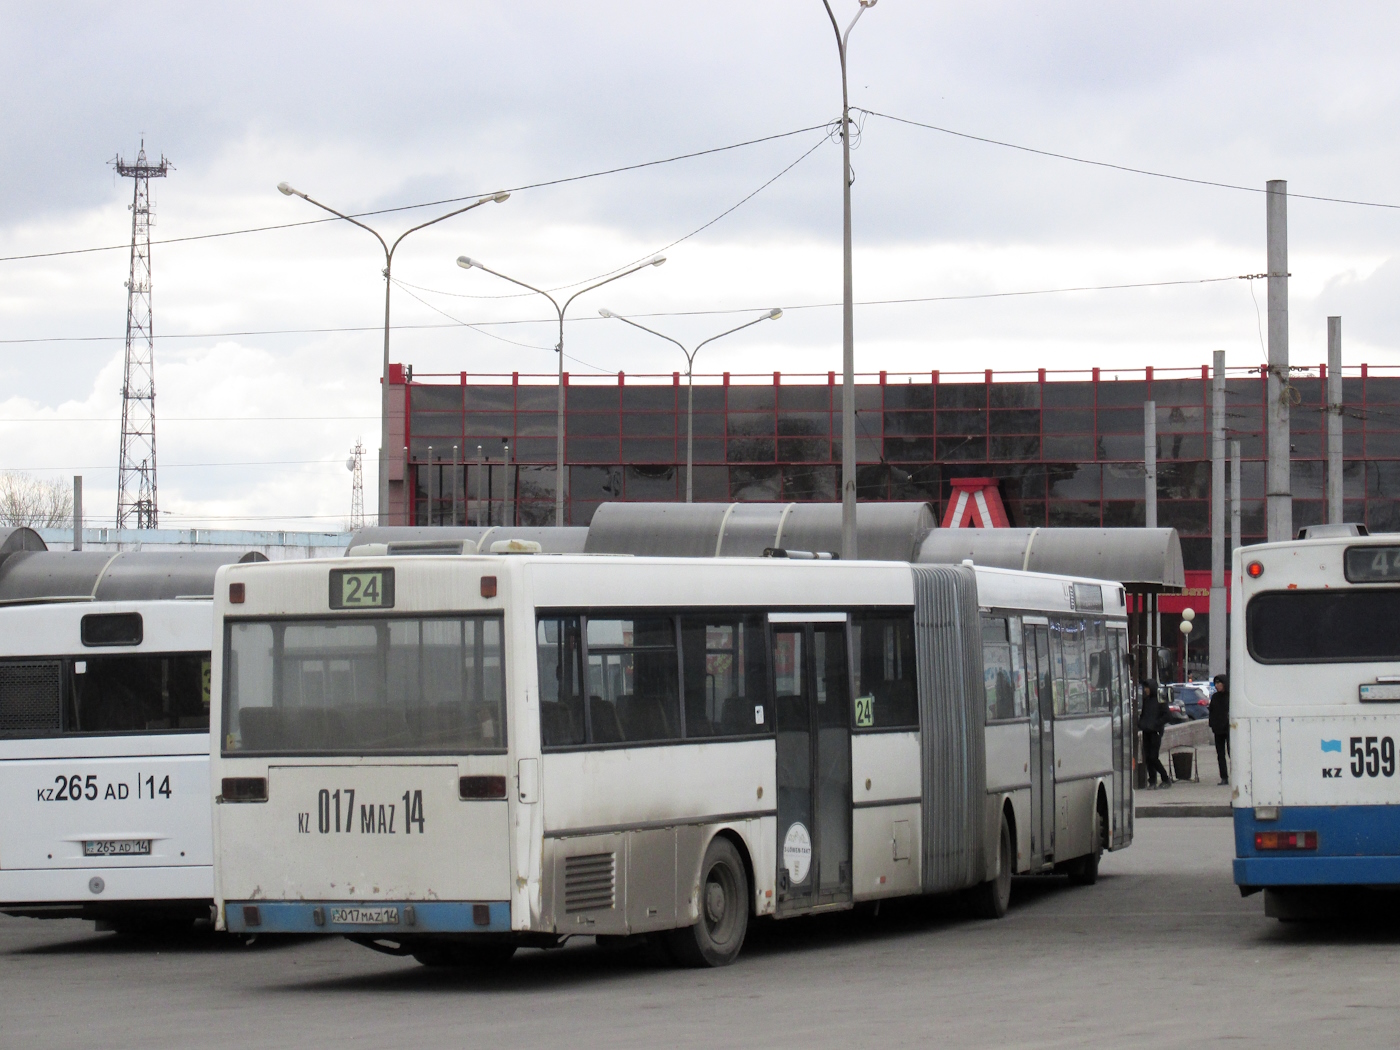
1176, 711
1192, 699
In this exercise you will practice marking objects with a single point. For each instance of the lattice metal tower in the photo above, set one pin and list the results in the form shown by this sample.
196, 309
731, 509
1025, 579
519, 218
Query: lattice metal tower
136, 470
356, 465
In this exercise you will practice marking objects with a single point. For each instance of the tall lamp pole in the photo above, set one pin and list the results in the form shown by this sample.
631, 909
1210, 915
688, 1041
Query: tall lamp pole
848, 350
384, 444
771, 315
465, 263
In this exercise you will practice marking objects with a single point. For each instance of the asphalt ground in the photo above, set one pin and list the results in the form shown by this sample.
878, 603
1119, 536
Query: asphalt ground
1163, 952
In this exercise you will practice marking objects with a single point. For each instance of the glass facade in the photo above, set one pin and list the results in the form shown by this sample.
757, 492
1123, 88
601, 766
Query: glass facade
1065, 453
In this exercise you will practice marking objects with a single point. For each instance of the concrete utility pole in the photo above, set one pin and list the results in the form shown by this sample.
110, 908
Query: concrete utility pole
1279, 493
1234, 497
1334, 421
848, 352
77, 512
1149, 460
1217, 519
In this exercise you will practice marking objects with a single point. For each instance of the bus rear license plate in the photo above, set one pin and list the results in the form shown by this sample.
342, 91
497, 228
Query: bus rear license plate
116, 847
1380, 693
365, 916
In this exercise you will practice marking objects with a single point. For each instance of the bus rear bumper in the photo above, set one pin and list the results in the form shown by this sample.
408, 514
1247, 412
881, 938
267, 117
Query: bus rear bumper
383, 918
1317, 871
99, 885
1356, 846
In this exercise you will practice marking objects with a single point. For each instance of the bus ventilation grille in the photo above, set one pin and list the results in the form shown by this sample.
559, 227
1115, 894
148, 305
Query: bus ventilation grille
590, 882
29, 698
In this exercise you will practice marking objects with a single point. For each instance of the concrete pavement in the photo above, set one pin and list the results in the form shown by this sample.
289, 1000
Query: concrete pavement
1161, 953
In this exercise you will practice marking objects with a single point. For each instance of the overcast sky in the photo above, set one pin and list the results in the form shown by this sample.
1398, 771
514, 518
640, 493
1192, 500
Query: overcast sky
379, 106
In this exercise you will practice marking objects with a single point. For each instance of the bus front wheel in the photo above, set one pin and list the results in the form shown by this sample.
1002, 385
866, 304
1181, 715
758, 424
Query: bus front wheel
718, 934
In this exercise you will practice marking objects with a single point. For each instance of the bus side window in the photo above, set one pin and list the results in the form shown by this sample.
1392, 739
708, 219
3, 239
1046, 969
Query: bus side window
1100, 666
885, 671
633, 687
998, 673
1117, 649
725, 675
1019, 683
1071, 671
559, 648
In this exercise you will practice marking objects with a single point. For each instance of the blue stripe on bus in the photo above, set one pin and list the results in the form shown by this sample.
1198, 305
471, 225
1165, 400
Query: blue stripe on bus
1317, 871
1355, 845
428, 917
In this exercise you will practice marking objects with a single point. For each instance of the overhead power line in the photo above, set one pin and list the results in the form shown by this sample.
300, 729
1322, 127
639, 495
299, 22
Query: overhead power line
1118, 167
430, 204
454, 323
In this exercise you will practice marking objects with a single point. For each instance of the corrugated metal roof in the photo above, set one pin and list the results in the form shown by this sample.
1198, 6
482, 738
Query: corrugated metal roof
40, 576
1137, 558
467, 539
886, 531
1134, 557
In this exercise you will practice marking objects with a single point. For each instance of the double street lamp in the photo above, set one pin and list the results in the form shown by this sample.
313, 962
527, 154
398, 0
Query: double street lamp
848, 352
384, 436
771, 315
467, 264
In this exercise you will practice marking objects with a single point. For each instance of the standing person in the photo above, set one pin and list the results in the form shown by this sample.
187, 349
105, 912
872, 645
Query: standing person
1220, 725
1152, 721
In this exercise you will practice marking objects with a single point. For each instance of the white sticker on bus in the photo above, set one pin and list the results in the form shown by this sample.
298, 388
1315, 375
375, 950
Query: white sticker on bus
797, 853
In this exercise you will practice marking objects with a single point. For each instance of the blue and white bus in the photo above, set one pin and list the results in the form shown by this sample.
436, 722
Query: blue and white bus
1315, 716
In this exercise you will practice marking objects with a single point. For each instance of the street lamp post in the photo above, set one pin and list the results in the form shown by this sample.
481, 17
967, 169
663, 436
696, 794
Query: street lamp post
389, 249
771, 315
1188, 617
848, 351
465, 263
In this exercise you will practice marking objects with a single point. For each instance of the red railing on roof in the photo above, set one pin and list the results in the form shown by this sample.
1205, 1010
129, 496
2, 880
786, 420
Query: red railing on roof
884, 377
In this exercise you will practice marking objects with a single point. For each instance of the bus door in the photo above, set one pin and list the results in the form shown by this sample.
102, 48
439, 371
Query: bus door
812, 700
1042, 740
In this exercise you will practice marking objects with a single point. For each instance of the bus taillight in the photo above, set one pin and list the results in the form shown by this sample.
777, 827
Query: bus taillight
1285, 840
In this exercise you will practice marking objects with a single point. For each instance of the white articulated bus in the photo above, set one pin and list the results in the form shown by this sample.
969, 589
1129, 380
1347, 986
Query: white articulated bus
455, 756
104, 738
1315, 716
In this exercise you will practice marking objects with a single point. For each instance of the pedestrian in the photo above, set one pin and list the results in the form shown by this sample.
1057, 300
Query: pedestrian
1152, 721
1220, 725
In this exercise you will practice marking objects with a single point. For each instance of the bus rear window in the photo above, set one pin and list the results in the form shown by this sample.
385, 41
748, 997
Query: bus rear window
107, 695
139, 694
384, 684
1331, 626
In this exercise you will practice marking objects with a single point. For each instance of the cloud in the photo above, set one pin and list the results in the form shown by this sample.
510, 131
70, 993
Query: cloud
368, 107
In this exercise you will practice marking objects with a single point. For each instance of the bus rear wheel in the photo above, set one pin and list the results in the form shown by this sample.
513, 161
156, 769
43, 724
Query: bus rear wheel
990, 899
718, 935
458, 956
